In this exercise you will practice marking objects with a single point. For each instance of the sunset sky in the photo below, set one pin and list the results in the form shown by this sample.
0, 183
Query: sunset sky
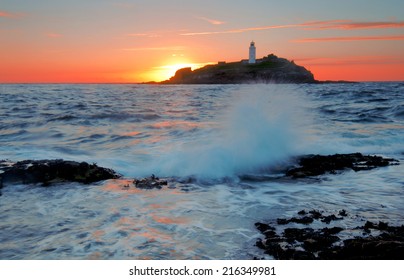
112, 41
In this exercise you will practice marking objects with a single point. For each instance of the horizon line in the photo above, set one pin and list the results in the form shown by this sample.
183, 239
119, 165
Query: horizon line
158, 83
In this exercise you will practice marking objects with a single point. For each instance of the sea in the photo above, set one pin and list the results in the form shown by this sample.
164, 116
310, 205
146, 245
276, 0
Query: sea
223, 150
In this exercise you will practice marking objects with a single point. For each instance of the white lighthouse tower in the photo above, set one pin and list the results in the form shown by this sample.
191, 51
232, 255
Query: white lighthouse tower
251, 57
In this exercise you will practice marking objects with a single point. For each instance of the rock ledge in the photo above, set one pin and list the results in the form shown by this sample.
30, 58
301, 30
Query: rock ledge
47, 172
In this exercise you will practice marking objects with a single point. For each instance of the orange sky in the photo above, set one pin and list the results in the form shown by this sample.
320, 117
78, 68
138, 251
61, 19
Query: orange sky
136, 41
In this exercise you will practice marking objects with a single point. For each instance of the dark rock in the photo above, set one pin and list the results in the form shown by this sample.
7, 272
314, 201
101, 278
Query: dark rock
380, 226
319, 241
343, 213
315, 165
369, 225
302, 212
275, 249
383, 226
282, 221
315, 214
263, 227
309, 217
271, 234
322, 243
151, 182
303, 255
330, 231
371, 248
305, 220
47, 172
297, 234
260, 244
329, 218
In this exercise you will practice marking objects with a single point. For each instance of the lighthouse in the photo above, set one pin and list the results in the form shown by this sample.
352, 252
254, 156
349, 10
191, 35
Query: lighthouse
251, 57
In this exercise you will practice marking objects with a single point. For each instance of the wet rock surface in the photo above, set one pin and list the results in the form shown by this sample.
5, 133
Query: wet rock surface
47, 172
377, 241
315, 165
151, 182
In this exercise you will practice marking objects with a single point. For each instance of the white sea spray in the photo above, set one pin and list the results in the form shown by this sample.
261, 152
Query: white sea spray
262, 126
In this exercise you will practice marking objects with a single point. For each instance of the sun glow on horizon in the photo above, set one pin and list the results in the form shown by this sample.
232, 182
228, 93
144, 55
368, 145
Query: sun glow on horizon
108, 42
165, 72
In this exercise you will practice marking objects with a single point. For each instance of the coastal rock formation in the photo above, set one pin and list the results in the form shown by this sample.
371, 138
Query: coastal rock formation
377, 240
52, 171
270, 69
314, 165
151, 182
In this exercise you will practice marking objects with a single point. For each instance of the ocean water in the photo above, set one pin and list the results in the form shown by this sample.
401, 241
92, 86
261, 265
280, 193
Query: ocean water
204, 140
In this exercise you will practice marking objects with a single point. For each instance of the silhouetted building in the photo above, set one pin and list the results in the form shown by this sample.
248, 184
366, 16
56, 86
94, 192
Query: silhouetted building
251, 57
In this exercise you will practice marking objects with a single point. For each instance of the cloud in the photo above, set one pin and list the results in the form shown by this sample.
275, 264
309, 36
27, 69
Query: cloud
349, 24
352, 38
149, 35
211, 21
53, 35
10, 15
172, 48
137, 34
353, 60
311, 25
241, 30
178, 66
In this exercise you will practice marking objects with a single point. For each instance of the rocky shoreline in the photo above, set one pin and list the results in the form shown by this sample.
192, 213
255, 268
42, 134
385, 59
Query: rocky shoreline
315, 165
302, 240
311, 234
374, 241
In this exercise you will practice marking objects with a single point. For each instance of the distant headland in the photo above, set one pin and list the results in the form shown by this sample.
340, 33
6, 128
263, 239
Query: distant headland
269, 69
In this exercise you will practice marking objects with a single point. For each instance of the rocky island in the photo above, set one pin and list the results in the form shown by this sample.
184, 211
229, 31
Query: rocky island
269, 69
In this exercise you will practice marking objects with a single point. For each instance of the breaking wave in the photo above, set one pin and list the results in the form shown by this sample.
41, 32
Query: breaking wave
264, 125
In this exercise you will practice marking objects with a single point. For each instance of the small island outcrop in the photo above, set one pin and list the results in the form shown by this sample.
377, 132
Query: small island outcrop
270, 69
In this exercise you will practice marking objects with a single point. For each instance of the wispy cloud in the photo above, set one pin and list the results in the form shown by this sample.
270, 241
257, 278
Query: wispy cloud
137, 34
10, 15
352, 38
148, 35
349, 24
310, 25
169, 48
53, 35
353, 60
183, 65
240, 30
211, 21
